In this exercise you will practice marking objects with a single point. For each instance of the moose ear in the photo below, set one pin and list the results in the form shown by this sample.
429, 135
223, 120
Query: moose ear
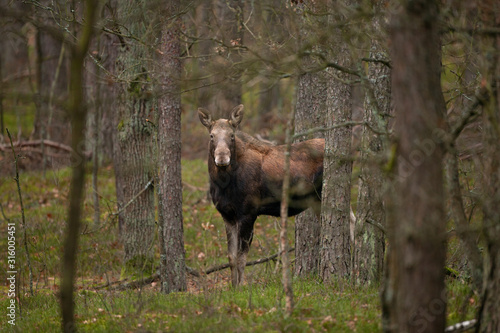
205, 118
236, 116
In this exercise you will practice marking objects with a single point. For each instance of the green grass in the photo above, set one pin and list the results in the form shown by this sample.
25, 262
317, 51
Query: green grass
257, 308
209, 305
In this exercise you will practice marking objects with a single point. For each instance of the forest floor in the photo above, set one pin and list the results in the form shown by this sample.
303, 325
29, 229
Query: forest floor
209, 305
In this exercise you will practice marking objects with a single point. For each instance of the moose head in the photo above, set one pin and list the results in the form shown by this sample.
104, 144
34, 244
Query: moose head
222, 135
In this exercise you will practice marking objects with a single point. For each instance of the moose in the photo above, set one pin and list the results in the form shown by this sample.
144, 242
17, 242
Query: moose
246, 180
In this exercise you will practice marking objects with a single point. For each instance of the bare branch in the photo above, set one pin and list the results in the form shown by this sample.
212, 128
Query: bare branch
491, 31
150, 183
376, 224
250, 263
381, 61
470, 113
338, 125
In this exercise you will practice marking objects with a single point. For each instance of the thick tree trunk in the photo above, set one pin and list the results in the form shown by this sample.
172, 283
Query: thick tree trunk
335, 247
310, 112
134, 157
417, 223
169, 184
369, 237
103, 86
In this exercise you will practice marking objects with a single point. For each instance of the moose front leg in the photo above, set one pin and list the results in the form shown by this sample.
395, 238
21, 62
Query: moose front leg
232, 250
239, 238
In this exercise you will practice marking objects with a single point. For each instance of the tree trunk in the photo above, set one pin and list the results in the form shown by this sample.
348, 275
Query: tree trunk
229, 16
489, 314
335, 246
134, 139
417, 229
51, 120
169, 184
78, 113
103, 82
369, 238
310, 112
266, 21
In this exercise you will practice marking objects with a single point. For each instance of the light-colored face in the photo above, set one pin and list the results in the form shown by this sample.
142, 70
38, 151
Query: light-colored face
222, 142
222, 133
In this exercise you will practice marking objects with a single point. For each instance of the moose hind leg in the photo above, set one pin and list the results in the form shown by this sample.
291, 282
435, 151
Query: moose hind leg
245, 237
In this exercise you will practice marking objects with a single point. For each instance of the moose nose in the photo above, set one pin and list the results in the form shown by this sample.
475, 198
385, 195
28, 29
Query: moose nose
222, 157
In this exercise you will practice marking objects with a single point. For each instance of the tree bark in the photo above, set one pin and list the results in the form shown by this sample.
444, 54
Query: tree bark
134, 157
102, 87
369, 238
417, 223
169, 184
310, 112
335, 245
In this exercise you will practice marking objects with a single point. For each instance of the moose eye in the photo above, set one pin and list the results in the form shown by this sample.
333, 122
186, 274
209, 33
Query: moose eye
232, 136
211, 136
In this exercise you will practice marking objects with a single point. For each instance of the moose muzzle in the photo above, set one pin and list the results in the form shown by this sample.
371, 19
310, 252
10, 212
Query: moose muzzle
222, 156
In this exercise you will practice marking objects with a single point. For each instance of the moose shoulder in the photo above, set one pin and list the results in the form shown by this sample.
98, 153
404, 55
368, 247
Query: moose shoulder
246, 179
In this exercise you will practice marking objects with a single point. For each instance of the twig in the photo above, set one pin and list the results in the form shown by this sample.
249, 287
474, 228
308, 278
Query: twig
109, 218
470, 113
376, 224
342, 68
250, 263
330, 64
326, 129
3, 214
135, 197
381, 61
134, 284
491, 31
23, 219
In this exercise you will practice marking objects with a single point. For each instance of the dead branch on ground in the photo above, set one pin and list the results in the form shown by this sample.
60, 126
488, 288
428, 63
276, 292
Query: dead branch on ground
125, 284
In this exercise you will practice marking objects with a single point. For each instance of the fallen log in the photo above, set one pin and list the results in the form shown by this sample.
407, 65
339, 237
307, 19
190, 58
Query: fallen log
48, 143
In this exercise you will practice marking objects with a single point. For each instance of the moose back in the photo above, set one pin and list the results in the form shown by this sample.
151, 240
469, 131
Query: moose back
246, 179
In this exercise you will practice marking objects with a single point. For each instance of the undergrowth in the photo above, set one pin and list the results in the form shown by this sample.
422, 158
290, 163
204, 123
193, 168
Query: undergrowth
209, 305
